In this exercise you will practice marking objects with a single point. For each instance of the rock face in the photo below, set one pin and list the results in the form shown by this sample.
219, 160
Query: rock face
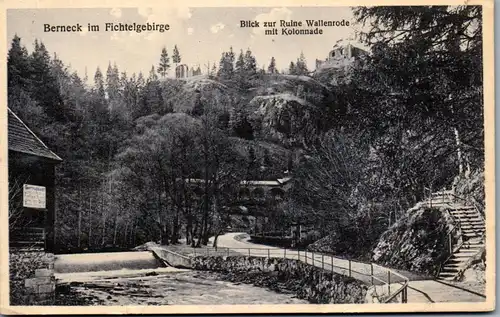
285, 275
284, 118
417, 242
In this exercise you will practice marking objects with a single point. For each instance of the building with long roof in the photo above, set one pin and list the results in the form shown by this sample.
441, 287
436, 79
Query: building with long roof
31, 169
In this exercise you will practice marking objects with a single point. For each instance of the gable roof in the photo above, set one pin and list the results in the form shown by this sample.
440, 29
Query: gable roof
23, 140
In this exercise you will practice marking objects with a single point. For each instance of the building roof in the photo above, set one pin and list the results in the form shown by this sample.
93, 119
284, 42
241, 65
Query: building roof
278, 182
23, 140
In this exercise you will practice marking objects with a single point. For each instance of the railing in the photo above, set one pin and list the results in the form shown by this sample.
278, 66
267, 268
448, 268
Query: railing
451, 197
368, 273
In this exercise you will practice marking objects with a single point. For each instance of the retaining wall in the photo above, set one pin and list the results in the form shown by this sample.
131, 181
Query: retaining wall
306, 281
172, 258
32, 280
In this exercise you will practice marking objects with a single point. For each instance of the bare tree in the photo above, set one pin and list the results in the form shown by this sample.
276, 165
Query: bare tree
15, 207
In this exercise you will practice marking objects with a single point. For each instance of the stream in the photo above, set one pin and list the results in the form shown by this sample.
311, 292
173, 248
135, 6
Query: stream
161, 286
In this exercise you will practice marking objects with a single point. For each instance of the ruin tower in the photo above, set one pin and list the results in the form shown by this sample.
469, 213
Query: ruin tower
181, 71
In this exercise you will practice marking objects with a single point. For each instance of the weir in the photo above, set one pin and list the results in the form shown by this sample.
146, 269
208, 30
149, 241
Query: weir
112, 261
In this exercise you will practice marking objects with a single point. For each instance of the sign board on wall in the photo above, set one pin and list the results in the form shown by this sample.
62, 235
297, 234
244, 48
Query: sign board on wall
34, 196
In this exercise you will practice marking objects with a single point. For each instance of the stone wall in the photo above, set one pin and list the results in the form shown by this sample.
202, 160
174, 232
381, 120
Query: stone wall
31, 279
172, 258
41, 288
286, 275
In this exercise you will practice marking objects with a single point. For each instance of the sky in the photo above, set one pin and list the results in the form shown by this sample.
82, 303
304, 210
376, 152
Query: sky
200, 33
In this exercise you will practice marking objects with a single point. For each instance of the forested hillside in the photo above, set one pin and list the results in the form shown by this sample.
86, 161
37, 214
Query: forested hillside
362, 142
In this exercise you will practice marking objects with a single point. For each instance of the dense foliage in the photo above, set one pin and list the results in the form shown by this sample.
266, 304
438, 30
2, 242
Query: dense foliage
363, 143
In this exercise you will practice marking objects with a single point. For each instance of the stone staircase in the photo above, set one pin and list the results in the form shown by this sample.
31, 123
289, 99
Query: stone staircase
470, 224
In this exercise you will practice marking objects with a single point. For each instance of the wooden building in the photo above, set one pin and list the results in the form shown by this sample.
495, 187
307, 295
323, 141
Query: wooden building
31, 169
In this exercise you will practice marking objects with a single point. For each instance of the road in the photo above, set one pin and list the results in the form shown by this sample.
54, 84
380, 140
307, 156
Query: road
419, 290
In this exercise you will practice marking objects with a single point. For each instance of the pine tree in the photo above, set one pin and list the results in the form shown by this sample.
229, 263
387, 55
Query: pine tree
99, 83
140, 80
271, 69
123, 79
112, 83
176, 57
250, 65
226, 65
164, 65
301, 66
18, 65
152, 75
44, 85
231, 57
240, 66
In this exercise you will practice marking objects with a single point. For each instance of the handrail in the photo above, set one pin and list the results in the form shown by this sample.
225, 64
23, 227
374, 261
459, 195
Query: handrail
311, 258
473, 205
451, 195
403, 291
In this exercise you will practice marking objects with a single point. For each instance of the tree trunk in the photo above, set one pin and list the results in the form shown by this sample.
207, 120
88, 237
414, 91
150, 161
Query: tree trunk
216, 238
189, 228
459, 152
79, 217
103, 230
125, 234
90, 223
115, 229
175, 229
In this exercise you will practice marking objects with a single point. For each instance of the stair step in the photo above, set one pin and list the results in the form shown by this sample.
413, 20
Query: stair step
447, 274
464, 255
455, 265
464, 208
469, 227
463, 212
470, 232
472, 223
458, 263
473, 228
467, 217
474, 242
473, 245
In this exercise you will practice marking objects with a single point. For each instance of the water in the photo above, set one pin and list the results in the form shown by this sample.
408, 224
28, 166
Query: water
92, 262
165, 286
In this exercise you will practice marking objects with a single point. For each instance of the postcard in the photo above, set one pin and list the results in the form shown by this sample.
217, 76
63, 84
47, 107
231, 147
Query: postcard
259, 157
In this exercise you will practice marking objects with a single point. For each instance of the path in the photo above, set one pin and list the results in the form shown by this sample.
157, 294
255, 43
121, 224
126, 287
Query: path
419, 291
